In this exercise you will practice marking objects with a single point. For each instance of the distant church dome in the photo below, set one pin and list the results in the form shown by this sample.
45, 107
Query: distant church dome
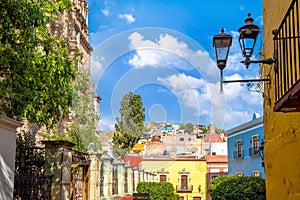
156, 139
212, 136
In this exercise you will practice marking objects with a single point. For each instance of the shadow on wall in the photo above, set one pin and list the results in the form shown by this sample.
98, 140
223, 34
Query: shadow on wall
6, 180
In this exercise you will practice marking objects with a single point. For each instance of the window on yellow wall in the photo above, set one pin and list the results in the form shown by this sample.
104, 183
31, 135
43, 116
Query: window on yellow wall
163, 175
184, 182
240, 173
162, 178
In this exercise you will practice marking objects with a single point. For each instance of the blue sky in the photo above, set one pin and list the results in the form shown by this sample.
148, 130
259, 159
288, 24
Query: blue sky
163, 51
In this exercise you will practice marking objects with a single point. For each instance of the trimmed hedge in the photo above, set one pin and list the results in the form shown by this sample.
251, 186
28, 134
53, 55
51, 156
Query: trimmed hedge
158, 190
237, 188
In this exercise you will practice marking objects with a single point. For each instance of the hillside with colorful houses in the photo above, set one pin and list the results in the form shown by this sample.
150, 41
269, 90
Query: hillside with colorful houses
189, 161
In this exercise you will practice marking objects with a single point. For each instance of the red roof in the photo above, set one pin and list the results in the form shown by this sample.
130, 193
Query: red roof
134, 161
213, 137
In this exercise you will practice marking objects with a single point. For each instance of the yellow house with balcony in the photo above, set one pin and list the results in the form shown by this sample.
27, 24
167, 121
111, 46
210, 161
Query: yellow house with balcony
188, 175
282, 99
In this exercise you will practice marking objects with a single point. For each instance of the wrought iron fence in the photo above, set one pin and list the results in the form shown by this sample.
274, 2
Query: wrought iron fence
286, 44
29, 181
32, 187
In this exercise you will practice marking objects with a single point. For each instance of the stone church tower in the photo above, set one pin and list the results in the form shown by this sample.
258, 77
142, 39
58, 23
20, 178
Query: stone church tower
72, 26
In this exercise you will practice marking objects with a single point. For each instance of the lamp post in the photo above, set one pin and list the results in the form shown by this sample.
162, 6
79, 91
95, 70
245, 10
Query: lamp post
247, 40
221, 44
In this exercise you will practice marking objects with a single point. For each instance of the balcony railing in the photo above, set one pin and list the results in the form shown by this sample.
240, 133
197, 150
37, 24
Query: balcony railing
254, 151
287, 70
180, 188
238, 154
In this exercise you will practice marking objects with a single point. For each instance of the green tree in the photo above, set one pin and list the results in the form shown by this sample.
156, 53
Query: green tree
129, 125
236, 188
219, 130
188, 128
158, 190
86, 118
36, 73
84, 124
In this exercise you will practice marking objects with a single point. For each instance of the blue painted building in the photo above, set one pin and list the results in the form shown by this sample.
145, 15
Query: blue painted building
244, 155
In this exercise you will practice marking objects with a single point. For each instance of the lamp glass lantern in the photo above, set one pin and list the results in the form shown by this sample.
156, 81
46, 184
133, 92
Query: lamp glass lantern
247, 38
221, 44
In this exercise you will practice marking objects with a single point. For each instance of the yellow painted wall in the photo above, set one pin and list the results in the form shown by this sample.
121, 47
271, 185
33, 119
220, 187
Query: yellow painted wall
196, 168
282, 130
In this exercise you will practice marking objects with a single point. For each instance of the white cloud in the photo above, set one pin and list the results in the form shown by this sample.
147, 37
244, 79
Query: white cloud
186, 88
168, 51
105, 12
146, 58
96, 67
106, 124
240, 102
128, 17
207, 102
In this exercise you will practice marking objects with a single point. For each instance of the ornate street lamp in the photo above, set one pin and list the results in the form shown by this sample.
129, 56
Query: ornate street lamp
221, 44
247, 40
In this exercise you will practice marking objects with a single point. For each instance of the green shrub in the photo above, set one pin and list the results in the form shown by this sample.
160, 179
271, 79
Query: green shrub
237, 188
158, 191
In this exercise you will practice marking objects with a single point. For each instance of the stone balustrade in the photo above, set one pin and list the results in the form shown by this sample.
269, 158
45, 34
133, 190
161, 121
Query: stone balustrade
103, 176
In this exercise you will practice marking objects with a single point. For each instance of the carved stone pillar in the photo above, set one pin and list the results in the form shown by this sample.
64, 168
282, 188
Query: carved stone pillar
136, 178
141, 174
154, 178
95, 178
107, 174
58, 158
121, 177
128, 178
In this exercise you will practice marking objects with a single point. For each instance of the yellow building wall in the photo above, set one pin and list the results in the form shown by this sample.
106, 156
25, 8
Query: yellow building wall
196, 168
282, 130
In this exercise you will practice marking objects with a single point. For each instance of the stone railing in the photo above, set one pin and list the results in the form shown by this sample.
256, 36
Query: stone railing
113, 179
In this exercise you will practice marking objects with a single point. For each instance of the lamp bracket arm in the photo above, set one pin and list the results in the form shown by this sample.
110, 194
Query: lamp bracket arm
247, 80
268, 61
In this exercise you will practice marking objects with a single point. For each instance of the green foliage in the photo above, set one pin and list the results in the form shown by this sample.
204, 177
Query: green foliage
86, 118
35, 71
188, 128
219, 130
236, 188
158, 190
204, 130
82, 130
28, 158
129, 125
